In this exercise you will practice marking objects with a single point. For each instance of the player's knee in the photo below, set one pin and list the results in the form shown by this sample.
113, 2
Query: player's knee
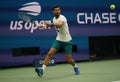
68, 58
51, 52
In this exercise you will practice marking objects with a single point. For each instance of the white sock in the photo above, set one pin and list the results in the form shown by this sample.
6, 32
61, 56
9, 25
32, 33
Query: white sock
43, 66
75, 65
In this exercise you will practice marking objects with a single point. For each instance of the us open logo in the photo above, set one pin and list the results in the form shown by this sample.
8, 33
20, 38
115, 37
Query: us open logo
31, 8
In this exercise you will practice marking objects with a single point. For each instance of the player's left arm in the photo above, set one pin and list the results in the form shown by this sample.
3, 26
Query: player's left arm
59, 24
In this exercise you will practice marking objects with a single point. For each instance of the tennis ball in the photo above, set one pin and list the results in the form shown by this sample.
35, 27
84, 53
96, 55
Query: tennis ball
112, 6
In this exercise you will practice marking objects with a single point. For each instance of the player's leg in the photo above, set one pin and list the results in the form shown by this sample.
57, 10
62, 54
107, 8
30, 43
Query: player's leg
52, 51
68, 56
54, 48
70, 60
40, 71
49, 55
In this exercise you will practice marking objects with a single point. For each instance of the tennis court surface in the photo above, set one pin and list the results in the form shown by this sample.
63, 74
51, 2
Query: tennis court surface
91, 71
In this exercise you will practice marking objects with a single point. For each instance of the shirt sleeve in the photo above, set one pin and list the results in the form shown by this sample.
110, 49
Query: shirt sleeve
62, 18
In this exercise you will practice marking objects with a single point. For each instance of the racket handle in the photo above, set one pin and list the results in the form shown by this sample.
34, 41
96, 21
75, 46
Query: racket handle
44, 25
39, 25
36, 23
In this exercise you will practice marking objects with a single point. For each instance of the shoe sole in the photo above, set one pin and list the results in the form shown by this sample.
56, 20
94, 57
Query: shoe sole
39, 74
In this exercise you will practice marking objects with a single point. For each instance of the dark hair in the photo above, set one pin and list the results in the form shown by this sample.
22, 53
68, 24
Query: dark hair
55, 6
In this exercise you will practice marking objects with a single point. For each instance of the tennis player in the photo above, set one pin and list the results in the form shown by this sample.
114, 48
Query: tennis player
63, 40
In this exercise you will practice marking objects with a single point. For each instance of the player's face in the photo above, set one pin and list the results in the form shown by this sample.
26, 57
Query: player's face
56, 12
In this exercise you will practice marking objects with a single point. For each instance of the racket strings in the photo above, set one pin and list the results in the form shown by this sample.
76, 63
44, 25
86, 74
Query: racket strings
25, 17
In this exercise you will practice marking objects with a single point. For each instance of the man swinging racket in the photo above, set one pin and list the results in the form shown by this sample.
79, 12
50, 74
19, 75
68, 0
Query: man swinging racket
63, 40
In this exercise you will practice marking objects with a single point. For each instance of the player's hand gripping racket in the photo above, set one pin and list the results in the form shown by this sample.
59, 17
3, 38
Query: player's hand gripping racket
27, 18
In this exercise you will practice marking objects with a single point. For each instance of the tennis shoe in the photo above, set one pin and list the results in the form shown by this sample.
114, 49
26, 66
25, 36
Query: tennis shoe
76, 70
39, 71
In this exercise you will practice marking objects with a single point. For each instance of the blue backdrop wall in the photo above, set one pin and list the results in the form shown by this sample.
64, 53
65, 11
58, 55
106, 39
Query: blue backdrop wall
86, 18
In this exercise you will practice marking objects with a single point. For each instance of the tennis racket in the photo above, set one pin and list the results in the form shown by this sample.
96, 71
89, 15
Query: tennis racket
27, 18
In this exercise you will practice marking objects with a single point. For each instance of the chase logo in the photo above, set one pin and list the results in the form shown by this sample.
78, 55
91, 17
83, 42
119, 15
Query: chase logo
31, 8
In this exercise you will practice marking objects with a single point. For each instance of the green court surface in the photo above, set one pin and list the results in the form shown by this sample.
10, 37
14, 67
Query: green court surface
91, 71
